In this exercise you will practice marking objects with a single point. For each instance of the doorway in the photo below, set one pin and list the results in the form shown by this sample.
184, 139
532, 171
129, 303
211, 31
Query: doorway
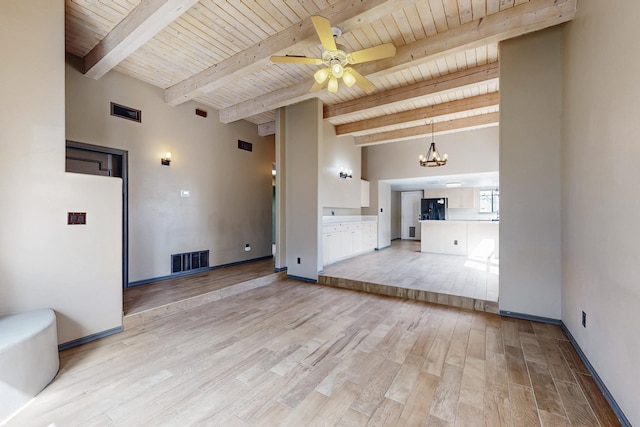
104, 161
409, 214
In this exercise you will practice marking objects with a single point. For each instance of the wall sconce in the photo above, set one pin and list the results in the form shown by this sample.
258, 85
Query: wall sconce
346, 173
166, 160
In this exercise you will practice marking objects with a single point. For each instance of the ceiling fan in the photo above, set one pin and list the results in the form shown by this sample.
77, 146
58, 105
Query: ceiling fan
336, 61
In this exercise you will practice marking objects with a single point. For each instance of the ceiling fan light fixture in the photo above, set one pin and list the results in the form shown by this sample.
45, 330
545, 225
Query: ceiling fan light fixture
337, 70
348, 78
333, 84
321, 75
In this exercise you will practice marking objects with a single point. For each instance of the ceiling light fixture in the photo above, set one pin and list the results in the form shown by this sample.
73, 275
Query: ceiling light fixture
453, 184
336, 69
432, 159
336, 60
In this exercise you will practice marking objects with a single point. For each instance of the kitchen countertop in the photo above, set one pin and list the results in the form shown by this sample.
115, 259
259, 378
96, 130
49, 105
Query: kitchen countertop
329, 219
459, 220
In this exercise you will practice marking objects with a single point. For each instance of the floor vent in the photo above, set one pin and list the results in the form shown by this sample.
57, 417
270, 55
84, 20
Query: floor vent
189, 261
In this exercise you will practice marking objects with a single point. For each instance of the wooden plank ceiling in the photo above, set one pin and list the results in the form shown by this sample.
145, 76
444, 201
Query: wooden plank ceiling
217, 52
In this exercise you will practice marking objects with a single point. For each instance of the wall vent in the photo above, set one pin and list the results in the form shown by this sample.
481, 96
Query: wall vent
126, 112
189, 261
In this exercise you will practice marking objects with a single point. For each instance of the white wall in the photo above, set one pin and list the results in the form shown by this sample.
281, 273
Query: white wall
230, 203
383, 204
396, 211
530, 196
76, 270
335, 153
302, 136
600, 173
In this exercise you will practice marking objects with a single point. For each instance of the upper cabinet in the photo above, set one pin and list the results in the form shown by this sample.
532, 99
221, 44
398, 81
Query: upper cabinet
457, 198
364, 193
462, 198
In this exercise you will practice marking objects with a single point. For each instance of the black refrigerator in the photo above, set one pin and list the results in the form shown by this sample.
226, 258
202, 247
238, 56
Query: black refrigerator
433, 209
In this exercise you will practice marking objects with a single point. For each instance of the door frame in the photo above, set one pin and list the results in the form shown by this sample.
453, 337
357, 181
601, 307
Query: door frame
124, 155
403, 215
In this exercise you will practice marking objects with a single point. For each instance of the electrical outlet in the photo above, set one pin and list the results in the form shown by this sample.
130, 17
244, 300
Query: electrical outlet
584, 319
298, 260
455, 242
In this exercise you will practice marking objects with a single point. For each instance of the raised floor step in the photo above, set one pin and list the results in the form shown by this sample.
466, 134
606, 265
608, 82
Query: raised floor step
151, 314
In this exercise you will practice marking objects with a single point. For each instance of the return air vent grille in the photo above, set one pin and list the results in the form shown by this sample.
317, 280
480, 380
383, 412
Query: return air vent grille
189, 261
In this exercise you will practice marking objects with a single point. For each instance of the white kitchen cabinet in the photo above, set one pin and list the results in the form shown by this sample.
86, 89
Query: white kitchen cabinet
364, 193
346, 239
433, 194
466, 197
327, 245
369, 235
457, 198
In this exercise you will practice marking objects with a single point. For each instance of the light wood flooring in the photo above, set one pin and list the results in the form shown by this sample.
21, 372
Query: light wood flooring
155, 294
298, 354
403, 265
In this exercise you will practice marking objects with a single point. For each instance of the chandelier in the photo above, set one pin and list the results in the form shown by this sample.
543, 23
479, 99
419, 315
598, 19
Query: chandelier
432, 159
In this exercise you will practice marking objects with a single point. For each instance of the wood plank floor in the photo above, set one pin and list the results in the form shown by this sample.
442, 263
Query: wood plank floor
297, 354
155, 294
403, 265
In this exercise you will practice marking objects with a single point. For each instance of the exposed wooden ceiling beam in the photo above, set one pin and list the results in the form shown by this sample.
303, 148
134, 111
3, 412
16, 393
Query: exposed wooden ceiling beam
268, 128
459, 80
137, 28
473, 122
420, 115
512, 22
342, 13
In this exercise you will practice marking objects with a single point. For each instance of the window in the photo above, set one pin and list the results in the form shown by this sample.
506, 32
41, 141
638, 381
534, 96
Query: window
489, 200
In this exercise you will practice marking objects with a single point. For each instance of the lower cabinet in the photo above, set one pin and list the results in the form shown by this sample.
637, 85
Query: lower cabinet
344, 240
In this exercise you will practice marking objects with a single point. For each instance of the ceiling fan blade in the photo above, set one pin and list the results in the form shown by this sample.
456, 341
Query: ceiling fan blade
378, 52
292, 59
317, 86
362, 81
323, 28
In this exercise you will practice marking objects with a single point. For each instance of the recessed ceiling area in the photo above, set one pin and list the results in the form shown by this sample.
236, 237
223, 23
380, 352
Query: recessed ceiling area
486, 179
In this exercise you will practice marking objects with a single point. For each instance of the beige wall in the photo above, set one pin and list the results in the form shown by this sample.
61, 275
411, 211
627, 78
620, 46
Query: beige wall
230, 203
303, 133
530, 136
335, 153
600, 203
43, 262
471, 151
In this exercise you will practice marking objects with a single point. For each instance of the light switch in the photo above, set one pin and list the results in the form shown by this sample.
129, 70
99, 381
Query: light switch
185, 193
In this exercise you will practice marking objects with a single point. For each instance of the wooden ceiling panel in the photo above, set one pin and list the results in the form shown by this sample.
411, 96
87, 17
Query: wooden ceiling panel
217, 52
